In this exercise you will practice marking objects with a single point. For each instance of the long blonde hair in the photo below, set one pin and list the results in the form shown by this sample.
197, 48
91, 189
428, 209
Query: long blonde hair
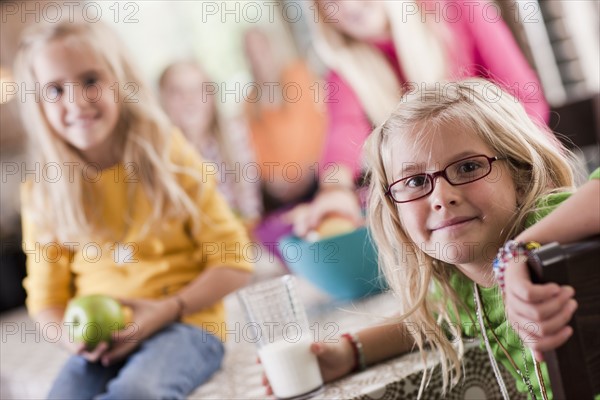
536, 163
420, 43
217, 127
144, 135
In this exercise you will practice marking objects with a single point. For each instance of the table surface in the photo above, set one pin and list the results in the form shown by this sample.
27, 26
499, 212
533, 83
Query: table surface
240, 376
394, 379
28, 363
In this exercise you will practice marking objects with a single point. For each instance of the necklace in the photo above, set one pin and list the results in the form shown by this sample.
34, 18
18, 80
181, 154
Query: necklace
481, 314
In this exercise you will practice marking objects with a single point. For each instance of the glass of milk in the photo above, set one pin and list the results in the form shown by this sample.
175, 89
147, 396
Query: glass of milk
277, 323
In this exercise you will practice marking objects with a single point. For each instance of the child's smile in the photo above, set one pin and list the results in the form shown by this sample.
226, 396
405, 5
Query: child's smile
451, 225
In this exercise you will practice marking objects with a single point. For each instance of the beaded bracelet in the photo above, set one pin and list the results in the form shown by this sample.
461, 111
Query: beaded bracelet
357, 348
511, 250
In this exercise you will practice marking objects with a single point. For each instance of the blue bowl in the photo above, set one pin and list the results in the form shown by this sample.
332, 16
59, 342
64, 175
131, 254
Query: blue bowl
344, 266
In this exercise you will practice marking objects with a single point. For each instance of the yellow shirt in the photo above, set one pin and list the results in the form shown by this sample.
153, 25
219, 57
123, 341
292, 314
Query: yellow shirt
134, 265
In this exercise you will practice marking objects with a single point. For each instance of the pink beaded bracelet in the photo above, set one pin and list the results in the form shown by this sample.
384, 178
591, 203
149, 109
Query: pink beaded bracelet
359, 355
512, 250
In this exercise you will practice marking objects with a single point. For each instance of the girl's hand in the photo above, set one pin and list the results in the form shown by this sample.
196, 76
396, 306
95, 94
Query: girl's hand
335, 361
539, 313
78, 348
149, 316
306, 217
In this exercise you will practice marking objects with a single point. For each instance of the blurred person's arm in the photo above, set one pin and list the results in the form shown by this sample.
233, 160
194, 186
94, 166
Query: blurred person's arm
385, 341
576, 218
348, 128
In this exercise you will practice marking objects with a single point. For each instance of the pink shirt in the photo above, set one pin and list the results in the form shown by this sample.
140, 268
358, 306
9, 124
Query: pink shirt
483, 48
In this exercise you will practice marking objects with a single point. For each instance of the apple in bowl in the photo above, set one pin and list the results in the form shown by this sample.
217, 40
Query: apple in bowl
92, 319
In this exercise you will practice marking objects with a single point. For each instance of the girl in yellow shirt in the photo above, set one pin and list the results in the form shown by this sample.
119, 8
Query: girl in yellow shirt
128, 212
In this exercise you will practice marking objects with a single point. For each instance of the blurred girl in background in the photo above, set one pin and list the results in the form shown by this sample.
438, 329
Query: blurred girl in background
187, 97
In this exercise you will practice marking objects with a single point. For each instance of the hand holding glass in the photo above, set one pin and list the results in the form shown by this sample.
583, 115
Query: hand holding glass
279, 322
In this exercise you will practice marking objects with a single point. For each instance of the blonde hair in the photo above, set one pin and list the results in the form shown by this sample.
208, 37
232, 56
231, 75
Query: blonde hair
217, 126
538, 165
420, 44
144, 135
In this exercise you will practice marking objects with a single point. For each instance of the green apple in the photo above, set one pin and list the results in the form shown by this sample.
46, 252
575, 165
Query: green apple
94, 318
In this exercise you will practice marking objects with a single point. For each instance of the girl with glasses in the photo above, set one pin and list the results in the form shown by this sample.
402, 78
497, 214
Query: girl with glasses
455, 172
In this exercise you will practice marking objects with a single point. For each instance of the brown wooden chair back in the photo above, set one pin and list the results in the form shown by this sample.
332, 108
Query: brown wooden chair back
574, 368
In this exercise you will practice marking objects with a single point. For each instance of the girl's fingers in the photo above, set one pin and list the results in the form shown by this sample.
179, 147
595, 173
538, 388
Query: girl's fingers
316, 348
548, 343
126, 335
94, 355
266, 384
558, 321
291, 216
538, 312
532, 332
527, 292
128, 302
300, 221
315, 215
117, 353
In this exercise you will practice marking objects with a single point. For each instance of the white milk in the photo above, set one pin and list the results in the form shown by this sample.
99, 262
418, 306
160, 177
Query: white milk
291, 368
